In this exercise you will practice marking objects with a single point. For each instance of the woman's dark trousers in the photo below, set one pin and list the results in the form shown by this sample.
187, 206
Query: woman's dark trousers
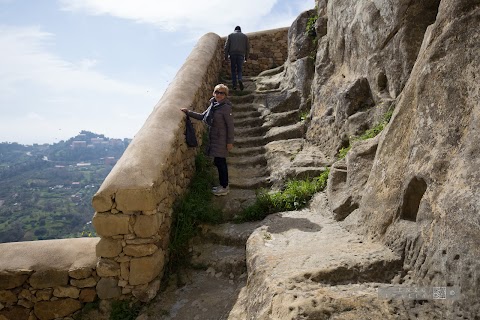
221, 164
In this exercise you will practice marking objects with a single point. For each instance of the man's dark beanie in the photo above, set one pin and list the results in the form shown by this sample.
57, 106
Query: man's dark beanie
238, 28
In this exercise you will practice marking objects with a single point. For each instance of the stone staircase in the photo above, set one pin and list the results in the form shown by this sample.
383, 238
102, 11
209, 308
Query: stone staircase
213, 283
269, 148
219, 270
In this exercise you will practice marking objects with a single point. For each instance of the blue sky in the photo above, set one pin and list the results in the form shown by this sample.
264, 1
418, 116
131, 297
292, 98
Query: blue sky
102, 65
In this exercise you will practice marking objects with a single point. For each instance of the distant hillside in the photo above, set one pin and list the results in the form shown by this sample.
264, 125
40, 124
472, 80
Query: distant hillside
46, 190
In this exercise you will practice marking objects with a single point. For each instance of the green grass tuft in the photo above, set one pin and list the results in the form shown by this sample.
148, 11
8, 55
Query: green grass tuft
125, 310
295, 196
370, 133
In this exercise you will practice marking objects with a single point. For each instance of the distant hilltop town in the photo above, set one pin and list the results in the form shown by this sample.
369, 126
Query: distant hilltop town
83, 141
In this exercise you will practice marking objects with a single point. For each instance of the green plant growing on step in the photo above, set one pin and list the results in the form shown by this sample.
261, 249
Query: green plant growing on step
342, 153
125, 310
303, 115
295, 196
368, 134
195, 207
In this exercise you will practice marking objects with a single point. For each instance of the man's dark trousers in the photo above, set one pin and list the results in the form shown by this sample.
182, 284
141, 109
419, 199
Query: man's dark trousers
236, 65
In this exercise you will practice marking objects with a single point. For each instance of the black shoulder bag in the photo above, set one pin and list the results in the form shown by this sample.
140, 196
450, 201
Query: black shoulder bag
190, 136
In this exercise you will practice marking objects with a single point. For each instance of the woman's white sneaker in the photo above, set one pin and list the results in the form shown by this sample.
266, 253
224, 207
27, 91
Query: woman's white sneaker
221, 191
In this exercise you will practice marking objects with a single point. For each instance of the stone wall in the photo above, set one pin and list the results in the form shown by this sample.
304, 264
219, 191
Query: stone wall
47, 279
268, 49
134, 204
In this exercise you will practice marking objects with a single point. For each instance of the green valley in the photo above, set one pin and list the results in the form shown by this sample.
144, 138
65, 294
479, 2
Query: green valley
46, 190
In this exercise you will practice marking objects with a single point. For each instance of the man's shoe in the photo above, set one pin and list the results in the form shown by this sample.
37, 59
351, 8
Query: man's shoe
221, 191
241, 85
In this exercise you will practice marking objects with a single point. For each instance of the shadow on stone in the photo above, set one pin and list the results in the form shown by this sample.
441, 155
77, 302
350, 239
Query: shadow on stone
288, 223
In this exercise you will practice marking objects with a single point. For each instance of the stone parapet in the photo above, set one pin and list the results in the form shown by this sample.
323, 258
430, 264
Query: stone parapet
134, 204
268, 50
47, 279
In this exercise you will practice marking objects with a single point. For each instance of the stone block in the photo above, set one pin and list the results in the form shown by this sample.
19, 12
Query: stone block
25, 303
16, 313
88, 295
136, 200
108, 248
102, 202
108, 268
145, 269
7, 296
140, 250
49, 279
107, 288
148, 293
80, 273
125, 270
44, 294
108, 225
47, 310
147, 226
84, 283
13, 279
66, 292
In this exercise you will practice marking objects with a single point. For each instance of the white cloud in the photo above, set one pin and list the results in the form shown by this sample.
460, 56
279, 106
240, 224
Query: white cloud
53, 99
26, 59
195, 18
173, 15
34, 116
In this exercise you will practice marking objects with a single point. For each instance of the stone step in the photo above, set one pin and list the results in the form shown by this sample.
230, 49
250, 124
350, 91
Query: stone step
232, 234
246, 105
241, 172
251, 183
223, 259
202, 296
250, 141
246, 151
247, 114
249, 131
254, 160
234, 202
293, 131
239, 99
247, 122
282, 119
304, 172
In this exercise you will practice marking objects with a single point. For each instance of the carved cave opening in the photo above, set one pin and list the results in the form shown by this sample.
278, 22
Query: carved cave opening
411, 199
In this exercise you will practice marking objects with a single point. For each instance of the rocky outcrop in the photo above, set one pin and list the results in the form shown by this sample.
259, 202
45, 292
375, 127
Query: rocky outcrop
412, 192
422, 194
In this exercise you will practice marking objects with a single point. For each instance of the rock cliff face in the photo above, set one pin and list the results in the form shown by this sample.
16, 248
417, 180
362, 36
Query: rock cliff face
415, 188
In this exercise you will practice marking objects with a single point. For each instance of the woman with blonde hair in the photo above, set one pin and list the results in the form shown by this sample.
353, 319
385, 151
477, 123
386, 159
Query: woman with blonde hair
219, 120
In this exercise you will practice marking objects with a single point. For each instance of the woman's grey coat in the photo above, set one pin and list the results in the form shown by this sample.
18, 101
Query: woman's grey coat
221, 132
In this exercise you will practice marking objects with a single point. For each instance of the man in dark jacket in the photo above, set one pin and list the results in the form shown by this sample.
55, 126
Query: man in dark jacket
219, 119
237, 47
